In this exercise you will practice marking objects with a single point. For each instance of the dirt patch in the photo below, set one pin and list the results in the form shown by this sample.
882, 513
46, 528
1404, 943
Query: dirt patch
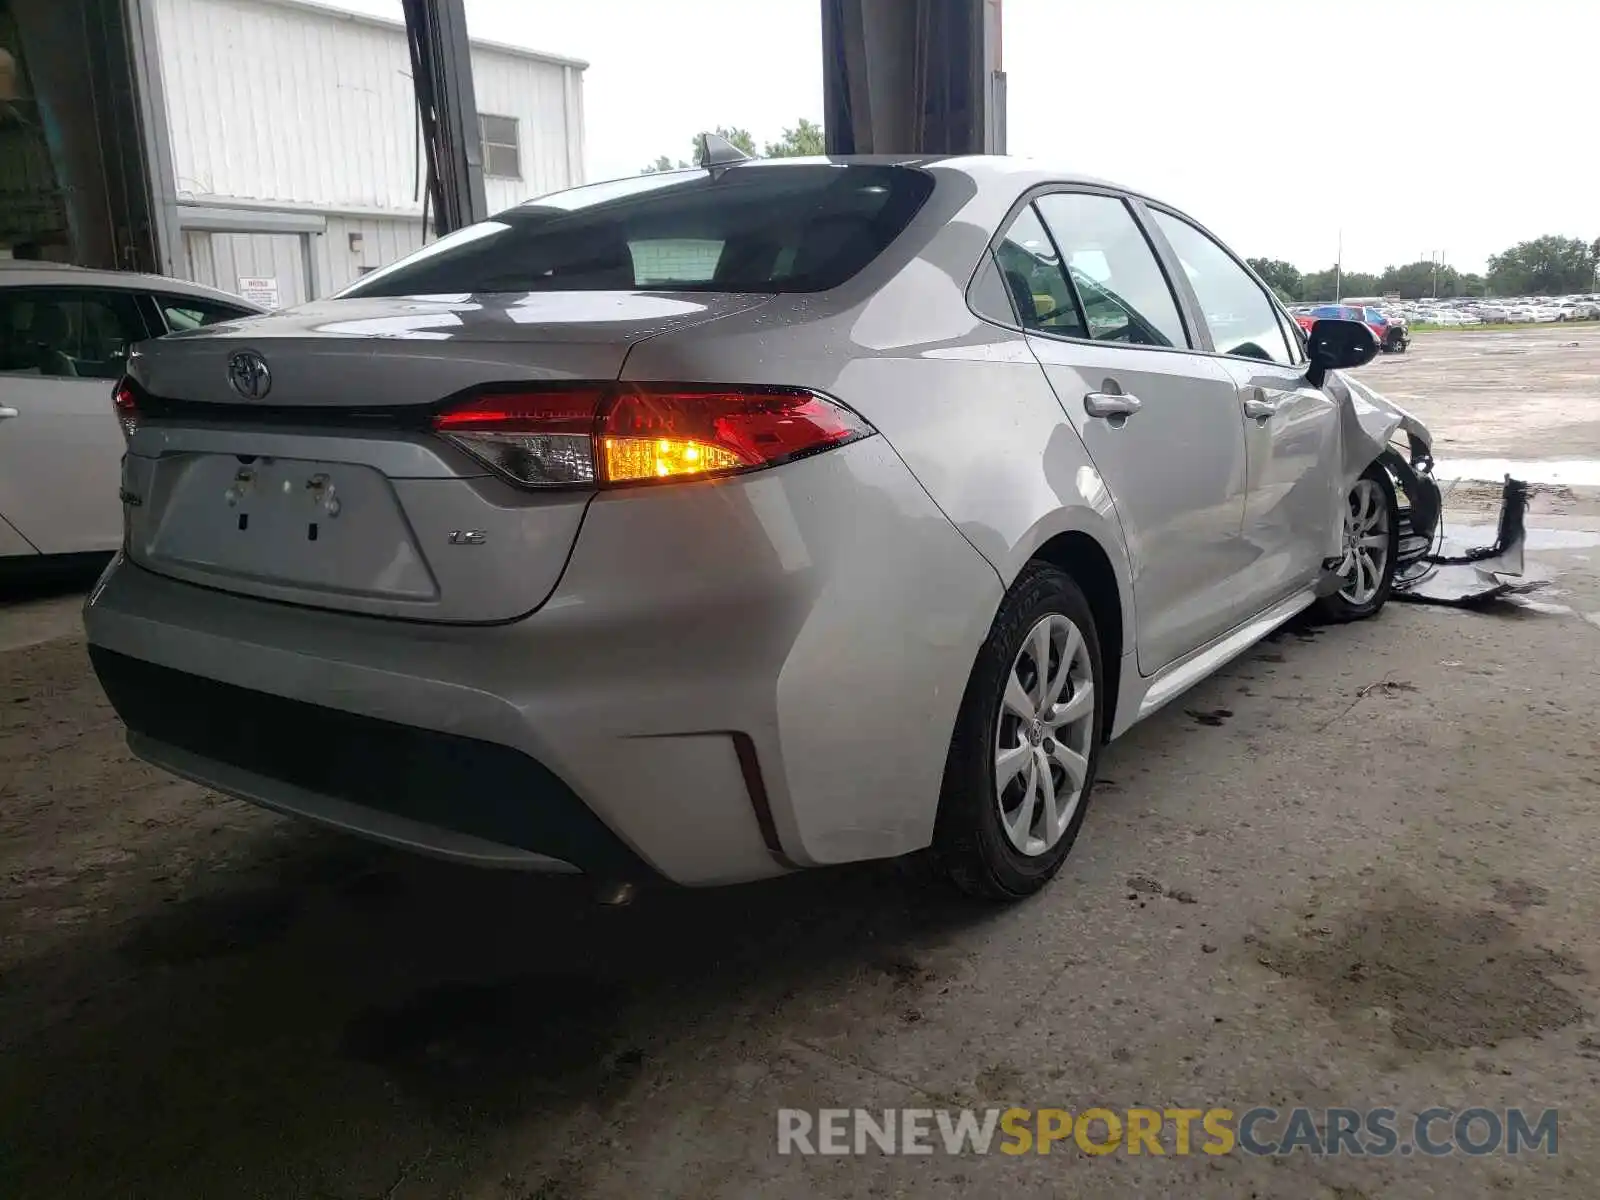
1446, 978
1520, 895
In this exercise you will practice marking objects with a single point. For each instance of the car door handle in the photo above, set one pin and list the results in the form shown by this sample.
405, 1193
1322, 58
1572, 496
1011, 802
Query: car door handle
1111, 404
1259, 407
7, 413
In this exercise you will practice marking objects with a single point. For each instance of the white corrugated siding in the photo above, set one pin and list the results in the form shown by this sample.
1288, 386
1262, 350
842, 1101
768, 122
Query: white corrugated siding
383, 241
221, 260
277, 103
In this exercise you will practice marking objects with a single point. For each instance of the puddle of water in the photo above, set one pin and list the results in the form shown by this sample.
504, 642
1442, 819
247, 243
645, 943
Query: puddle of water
1574, 472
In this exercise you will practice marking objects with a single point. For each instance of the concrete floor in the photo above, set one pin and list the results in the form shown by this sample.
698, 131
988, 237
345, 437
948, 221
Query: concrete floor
1354, 869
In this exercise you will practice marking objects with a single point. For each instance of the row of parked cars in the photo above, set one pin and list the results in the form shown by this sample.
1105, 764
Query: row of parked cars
1391, 330
1539, 310
1391, 323
1469, 311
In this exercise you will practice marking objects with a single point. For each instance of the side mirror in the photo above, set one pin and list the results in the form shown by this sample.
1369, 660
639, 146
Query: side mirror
1338, 346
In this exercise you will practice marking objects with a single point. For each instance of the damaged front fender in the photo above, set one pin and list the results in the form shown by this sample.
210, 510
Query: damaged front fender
1428, 568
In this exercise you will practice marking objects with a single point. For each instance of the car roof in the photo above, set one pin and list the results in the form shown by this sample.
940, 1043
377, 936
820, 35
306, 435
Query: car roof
32, 273
982, 168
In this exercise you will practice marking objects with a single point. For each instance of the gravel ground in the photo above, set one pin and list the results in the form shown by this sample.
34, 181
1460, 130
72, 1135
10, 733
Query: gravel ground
1354, 869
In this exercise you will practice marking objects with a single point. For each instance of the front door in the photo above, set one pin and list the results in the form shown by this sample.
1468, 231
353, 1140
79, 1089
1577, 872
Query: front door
1160, 422
61, 351
1291, 428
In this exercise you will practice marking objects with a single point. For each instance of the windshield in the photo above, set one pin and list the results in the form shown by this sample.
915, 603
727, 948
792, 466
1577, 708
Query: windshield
756, 228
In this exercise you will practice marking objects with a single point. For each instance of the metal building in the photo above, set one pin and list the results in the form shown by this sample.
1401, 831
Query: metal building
292, 144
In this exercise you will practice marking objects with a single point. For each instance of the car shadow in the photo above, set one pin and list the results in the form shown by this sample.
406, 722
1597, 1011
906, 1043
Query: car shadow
319, 1007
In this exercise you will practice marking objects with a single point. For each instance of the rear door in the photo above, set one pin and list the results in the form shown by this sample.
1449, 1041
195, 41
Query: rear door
61, 349
1291, 429
1159, 419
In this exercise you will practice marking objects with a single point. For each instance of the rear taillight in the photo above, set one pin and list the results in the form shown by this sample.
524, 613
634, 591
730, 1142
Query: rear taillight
127, 406
638, 433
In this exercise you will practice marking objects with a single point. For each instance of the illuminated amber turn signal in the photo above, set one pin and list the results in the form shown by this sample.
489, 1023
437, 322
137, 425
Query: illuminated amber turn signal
662, 458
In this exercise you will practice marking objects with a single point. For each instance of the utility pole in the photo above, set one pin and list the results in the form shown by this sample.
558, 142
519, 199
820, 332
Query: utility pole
1338, 270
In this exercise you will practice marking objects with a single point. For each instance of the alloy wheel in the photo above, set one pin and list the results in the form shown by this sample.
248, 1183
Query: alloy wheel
1044, 734
1366, 543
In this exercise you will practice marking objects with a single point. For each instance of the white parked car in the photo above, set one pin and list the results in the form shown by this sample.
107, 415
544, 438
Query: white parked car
64, 339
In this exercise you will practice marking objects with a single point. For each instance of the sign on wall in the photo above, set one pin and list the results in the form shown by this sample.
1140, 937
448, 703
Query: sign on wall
262, 290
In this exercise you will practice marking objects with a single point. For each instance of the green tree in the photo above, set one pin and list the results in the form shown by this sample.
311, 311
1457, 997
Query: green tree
1283, 278
805, 140
1318, 286
1545, 266
663, 164
1329, 286
1418, 279
1359, 283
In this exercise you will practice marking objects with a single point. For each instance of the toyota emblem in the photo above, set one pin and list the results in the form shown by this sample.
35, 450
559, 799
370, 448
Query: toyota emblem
248, 373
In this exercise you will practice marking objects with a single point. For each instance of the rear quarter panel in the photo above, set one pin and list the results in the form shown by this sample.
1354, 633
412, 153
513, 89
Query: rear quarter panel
964, 403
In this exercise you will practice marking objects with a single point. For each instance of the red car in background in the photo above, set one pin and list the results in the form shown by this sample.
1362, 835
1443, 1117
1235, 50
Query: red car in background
1392, 334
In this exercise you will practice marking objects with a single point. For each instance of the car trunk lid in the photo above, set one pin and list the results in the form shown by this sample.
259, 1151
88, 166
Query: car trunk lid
327, 487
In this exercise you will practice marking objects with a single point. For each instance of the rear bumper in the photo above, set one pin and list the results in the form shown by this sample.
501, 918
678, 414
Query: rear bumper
731, 679
418, 788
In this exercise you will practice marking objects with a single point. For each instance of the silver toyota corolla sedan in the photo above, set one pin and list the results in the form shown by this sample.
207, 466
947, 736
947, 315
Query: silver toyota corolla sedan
708, 525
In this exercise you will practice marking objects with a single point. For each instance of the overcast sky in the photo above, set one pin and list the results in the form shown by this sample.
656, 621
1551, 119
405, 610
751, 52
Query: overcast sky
1460, 126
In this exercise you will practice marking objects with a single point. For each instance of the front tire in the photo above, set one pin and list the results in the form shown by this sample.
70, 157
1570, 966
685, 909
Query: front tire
1371, 549
1027, 740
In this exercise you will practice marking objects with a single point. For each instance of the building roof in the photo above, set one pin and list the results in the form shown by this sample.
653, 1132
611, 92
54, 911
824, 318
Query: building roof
359, 18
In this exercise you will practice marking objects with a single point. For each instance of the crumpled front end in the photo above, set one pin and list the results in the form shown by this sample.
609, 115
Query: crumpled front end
1429, 567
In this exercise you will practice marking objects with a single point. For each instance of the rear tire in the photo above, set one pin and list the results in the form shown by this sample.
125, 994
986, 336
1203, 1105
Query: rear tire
1372, 548
1026, 745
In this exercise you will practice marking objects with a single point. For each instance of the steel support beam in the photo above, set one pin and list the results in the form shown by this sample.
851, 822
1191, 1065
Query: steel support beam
441, 75
913, 77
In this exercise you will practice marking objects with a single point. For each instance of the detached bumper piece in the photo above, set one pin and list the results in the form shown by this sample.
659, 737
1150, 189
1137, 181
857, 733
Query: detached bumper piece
479, 790
1433, 569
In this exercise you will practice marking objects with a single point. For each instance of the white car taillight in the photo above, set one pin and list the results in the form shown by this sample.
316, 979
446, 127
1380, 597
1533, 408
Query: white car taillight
613, 434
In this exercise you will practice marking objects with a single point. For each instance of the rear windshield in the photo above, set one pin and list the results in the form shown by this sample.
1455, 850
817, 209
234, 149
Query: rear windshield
793, 228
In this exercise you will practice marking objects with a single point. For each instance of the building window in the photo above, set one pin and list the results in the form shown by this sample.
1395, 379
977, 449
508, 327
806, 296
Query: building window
501, 158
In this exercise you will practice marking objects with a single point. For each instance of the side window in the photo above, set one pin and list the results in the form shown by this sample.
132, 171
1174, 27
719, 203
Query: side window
1125, 295
1032, 273
68, 333
185, 312
1292, 335
1242, 318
